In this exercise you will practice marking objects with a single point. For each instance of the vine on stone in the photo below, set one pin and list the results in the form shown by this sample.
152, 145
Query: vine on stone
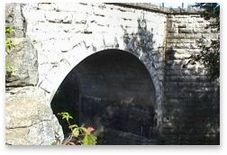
9, 45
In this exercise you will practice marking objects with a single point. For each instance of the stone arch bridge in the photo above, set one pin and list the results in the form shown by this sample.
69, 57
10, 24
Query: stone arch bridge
143, 46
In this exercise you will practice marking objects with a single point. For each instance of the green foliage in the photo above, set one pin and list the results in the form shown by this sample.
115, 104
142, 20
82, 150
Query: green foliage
79, 135
89, 139
8, 42
209, 55
211, 10
8, 31
65, 115
9, 45
9, 69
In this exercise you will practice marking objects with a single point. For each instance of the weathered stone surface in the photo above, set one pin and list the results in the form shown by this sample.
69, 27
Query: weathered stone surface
66, 34
15, 19
24, 61
191, 100
30, 122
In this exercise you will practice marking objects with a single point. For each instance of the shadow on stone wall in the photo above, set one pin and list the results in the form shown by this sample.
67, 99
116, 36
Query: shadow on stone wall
141, 43
191, 104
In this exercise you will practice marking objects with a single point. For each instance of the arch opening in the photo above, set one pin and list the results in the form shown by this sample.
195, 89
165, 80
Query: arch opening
112, 91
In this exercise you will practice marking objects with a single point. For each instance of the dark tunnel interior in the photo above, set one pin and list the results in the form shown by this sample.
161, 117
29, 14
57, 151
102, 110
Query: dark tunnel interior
113, 92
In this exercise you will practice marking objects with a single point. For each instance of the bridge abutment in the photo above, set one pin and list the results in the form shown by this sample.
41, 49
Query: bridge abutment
65, 35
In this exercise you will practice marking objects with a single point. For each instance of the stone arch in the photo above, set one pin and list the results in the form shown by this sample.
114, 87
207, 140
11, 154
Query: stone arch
56, 75
109, 77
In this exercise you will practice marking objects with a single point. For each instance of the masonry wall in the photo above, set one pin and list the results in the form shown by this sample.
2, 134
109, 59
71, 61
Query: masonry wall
64, 34
191, 99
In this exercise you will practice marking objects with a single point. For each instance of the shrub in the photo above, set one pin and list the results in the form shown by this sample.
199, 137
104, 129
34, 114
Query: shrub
79, 135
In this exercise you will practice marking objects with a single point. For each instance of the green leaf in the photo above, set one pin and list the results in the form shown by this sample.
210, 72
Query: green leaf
65, 115
8, 31
9, 68
83, 130
73, 126
81, 134
9, 44
89, 139
75, 132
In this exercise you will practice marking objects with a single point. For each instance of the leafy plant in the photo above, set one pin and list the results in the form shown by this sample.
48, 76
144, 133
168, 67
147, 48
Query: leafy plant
209, 55
79, 135
8, 42
9, 69
9, 45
